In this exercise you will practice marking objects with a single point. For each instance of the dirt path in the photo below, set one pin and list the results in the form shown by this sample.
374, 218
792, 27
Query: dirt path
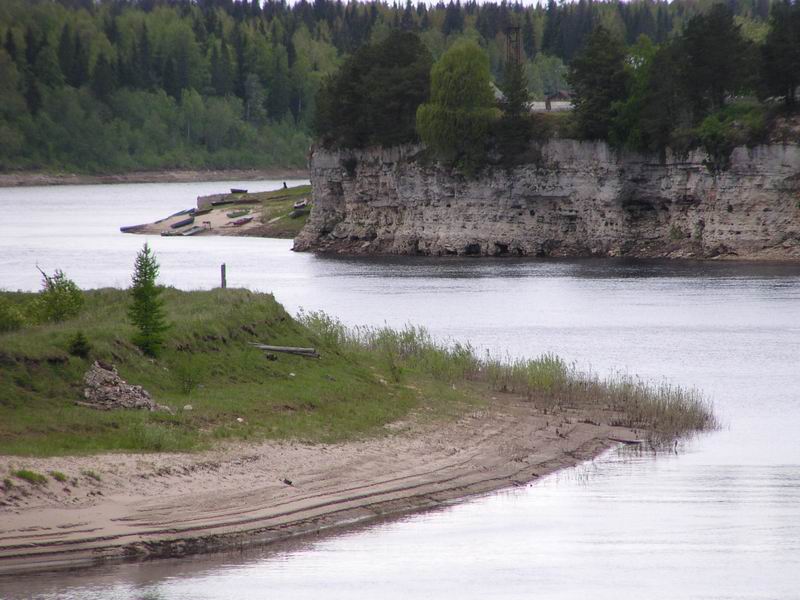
175, 504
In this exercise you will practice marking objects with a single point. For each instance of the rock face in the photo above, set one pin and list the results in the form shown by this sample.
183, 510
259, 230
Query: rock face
572, 199
106, 390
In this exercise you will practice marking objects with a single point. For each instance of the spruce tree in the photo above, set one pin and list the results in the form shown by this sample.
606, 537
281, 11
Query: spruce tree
146, 311
66, 53
103, 78
528, 36
598, 78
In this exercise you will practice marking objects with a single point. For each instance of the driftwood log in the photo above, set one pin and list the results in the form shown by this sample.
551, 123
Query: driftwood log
308, 352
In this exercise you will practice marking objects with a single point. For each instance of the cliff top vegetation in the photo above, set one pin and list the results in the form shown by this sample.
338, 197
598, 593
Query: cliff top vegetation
119, 85
709, 85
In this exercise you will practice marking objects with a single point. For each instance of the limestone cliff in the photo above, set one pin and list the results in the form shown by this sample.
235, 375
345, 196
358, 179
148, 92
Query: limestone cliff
574, 199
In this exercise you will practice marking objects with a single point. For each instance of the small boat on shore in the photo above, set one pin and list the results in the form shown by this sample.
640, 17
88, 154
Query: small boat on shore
242, 221
182, 223
302, 204
193, 230
131, 228
238, 191
235, 214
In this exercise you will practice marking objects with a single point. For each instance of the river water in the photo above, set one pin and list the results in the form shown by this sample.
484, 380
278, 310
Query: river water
718, 519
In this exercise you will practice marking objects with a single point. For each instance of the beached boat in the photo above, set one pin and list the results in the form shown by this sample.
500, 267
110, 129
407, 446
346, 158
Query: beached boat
182, 223
302, 204
131, 228
238, 191
193, 230
235, 214
242, 221
223, 202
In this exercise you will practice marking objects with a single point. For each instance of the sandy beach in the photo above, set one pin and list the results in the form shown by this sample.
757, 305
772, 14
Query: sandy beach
25, 178
167, 505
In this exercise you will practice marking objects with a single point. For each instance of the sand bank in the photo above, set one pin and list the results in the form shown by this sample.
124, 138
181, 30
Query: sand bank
167, 505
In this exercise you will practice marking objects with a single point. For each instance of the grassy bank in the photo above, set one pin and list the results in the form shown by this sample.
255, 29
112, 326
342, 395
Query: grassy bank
364, 379
277, 212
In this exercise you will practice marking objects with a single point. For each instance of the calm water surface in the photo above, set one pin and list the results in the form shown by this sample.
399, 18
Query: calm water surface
720, 519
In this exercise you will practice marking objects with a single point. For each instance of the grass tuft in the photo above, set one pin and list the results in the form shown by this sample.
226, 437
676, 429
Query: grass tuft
58, 476
31, 477
91, 474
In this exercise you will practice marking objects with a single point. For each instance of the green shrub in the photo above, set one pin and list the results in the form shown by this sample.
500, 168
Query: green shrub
735, 125
79, 345
59, 299
11, 317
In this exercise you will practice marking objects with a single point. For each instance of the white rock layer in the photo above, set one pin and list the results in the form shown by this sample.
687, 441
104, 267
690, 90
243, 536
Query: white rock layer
571, 199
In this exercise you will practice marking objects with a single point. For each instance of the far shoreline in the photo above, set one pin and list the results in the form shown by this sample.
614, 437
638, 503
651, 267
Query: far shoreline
35, 178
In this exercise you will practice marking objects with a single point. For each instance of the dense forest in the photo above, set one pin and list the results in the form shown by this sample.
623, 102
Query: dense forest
119, 85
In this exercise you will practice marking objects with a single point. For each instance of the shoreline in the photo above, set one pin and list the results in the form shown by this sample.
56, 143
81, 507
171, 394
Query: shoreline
171, 505
31, 179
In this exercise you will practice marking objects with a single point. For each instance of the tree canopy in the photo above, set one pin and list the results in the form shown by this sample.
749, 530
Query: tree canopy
374, 96
599, 79
462, 106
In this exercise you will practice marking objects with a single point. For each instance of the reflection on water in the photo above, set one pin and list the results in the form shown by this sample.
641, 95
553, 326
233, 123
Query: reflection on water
719, 520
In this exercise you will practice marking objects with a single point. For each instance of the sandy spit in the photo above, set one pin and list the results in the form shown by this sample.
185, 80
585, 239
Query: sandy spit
166, 505
24, 178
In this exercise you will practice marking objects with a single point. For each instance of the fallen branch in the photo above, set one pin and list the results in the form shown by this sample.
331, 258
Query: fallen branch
308, 352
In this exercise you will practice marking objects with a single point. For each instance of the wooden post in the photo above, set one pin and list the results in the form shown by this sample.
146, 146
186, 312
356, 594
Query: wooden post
224, 282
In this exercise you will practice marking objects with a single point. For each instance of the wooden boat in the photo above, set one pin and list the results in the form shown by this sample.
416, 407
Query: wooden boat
238, 191
235, 214
168, 233
298, 212
242, 221
302, 204
223, 202
193, 230
182, 223
131, 228
201, 211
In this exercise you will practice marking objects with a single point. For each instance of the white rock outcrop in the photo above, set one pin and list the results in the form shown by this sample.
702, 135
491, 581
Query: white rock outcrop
571, 198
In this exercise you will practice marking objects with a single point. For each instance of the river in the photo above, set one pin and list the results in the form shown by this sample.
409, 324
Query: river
720, 518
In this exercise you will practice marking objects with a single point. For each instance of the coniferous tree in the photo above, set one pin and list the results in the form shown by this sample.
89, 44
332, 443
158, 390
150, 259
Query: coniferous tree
33, 95
716, 58
10, 46
528, 36
66, 53
780, 54
146, 311
32, 47
453, 19
103, 78
80, 64
598, 79
171, 84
